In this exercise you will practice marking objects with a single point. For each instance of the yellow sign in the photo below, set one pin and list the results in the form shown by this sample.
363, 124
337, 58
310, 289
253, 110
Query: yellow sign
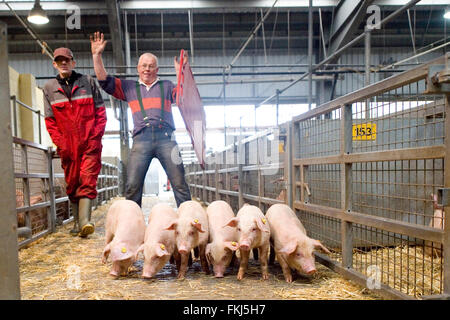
364, 131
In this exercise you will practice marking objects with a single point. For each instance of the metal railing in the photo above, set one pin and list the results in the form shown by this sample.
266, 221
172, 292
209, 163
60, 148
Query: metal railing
16, 102
360, 173
41, 201
250, 170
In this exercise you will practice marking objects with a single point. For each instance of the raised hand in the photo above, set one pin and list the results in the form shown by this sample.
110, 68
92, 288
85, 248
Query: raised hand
98, 43
176, 63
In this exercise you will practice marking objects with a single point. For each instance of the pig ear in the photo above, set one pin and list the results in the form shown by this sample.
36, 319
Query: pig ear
161, 250
105, 253
232, 223
289, 248
197, 225
232, 245
318, 245
172, 226
263, 224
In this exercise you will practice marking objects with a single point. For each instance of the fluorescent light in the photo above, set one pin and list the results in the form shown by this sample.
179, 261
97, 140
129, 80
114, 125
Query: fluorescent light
447, 14
37, 14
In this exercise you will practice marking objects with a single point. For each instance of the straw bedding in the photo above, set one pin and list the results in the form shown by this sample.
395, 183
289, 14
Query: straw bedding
60, 266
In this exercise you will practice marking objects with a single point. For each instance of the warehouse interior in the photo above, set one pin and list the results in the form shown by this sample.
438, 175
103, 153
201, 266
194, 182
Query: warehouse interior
262, 68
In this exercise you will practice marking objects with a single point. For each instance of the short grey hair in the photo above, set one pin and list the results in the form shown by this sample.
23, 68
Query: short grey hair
148, 54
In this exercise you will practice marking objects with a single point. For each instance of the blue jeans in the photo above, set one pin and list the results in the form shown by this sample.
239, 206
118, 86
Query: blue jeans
149, 143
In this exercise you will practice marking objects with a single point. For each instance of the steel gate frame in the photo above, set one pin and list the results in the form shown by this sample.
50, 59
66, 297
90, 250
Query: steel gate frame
107, 187
297, 186
346, 158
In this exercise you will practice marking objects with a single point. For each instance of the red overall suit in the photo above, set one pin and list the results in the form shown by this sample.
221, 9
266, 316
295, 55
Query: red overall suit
76, 125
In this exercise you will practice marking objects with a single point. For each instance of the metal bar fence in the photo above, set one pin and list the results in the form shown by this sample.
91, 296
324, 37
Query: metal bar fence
242, 172
41, 201
38, 113
371, 169
359, 172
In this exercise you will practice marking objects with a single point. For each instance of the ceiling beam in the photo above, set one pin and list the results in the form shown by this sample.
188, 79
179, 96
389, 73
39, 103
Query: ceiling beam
349, 16
95, 7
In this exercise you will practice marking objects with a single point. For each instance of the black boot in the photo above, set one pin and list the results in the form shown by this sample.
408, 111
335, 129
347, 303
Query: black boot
84, 214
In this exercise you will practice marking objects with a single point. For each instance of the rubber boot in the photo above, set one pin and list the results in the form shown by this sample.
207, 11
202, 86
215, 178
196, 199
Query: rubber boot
84, 217
76, 227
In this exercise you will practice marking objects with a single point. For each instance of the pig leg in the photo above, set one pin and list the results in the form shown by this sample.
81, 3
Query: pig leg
285, 267
204, 262
244, 263
183, 266
263, 257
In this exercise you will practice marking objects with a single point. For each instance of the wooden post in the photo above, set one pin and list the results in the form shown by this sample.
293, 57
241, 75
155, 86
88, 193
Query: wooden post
446, 242
52, 210
346, 186
9, 260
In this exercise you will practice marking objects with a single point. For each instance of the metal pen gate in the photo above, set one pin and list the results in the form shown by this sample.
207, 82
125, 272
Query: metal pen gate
41, 200
360, 171
364, 168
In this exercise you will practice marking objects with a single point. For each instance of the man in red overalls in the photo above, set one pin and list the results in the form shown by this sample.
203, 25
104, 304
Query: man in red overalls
75, 118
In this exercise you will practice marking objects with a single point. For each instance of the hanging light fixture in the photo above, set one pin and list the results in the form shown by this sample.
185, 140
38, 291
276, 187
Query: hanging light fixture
37, 14
447, 13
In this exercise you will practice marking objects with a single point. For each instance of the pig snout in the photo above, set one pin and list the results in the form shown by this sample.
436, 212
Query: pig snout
183, 249
219, 271
115, 270
244, 245
310, 271
309, 268
146, 274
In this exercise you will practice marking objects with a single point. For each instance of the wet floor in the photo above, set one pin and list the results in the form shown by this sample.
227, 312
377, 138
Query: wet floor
60, 266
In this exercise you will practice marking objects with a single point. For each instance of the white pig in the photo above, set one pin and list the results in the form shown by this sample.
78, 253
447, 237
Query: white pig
125, 229
253, 232
223, 240
293, 248
191, 230
159, 243
432, 248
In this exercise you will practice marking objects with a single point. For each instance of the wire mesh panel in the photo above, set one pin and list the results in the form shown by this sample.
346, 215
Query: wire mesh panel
325, 229
397, 119
320, 136
324, 181
32, 188
399, 190
374, 161
404, 265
